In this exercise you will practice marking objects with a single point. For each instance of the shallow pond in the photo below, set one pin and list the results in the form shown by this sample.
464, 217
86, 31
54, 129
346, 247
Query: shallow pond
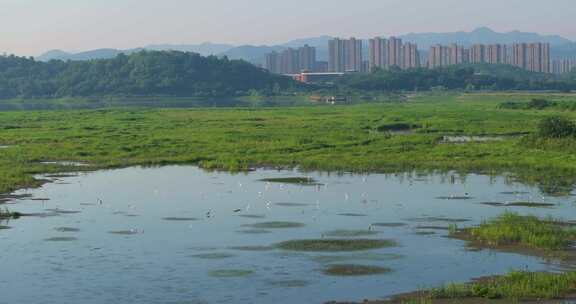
183, 235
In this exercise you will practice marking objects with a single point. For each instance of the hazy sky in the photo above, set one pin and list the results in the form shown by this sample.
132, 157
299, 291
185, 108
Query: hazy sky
29, 27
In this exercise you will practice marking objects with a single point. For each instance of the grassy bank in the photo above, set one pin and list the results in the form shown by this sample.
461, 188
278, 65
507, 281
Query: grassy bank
514, 287
509, 232
357, 138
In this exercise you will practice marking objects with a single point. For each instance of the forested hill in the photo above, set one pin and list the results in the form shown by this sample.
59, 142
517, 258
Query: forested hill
146, 73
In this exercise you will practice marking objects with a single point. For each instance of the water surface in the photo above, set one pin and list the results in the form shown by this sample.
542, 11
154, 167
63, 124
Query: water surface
183, 235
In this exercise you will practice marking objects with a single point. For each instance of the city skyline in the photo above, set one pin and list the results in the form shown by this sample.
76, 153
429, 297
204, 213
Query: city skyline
32, 27
347, 55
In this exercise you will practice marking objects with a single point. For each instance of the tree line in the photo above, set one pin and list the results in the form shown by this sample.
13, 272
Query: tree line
146, 73
480, 77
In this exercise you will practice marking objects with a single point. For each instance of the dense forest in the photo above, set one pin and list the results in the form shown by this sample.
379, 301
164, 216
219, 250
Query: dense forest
462, 77
143, 73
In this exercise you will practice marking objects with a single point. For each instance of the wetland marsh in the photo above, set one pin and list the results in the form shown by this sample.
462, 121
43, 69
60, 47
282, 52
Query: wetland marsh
177, 231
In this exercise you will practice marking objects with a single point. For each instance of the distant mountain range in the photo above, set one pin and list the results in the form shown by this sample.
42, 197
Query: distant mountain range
561, 47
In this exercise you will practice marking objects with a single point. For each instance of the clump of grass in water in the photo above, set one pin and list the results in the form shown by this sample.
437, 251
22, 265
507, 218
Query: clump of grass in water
7, 214
354, 270
252, 248
349, 233
525, 231
305, 181
335, 245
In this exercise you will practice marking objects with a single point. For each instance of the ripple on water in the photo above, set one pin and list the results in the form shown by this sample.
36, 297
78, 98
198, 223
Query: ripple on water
254, 231
181, 219
349, 233
213, 256
288, 283
433, 219
454, 197
292, 204
60, 211
230, 273
253, 216
433, 227
67, 229
390, 225
362, 256
274, 225
352, 214
124, 232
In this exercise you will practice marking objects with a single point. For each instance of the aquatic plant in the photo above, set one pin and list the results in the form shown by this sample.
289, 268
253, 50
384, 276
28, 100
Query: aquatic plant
335, 245
354, 270
524, 231
7, 214
343, 233
60, 239
252, 248
304, 181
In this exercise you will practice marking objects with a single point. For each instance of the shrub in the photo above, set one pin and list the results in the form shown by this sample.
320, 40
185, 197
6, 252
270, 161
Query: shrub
556, 127
540, 104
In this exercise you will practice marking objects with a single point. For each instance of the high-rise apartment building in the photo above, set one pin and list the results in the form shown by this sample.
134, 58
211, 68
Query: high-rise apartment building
496, 54
337, 55
273, 63
533, 57
307, 56
386, 53
345, 55
378, 53
457, 54
563, 66
410, 56
538, 57
520, 55
477, 53
291, 61
439, 56
353, 55
394, 52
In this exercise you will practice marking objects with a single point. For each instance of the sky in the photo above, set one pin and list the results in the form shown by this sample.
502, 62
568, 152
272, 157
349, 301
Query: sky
30, 27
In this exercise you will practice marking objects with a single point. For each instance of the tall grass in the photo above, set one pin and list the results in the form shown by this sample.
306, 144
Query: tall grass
515, 285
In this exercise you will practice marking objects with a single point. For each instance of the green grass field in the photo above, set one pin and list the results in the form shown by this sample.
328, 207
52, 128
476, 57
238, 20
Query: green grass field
336, 138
